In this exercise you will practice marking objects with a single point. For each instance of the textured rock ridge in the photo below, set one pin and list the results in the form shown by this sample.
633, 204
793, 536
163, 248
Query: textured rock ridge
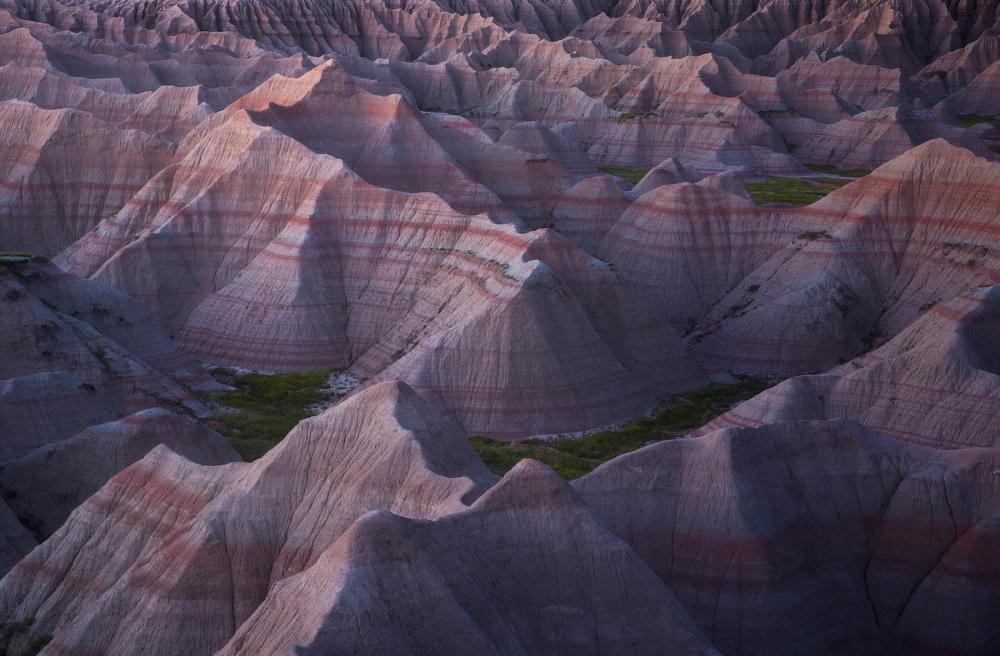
77, 356
47, 483
197, 549
53, 322
505, 574
376, 517
936, 383
858, 538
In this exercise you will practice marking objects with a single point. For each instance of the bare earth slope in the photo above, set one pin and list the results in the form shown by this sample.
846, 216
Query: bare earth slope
233, 532
375, 517
78, 355
268, 194
857, 538
936, 383
508, 219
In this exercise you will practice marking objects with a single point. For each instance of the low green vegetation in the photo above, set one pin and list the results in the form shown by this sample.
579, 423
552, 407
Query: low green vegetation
813, 235
628, 116
793, 191
13, 258
573, 457
631, 174
833, 170
968, 120
262, 408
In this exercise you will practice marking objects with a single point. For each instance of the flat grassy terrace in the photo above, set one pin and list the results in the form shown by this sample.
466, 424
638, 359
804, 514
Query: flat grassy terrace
573, 457
793, 191
833, 170
628, 116
14, 258
632, 174
968, 120
262, 408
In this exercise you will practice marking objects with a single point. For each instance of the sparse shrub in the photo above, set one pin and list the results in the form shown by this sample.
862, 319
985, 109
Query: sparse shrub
101, 356
871, 340
969, 120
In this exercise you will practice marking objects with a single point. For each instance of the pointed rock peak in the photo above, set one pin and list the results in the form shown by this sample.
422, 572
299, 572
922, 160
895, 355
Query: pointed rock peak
935, 148
330, 77
669, 171
730, 182
529, 484
603, 187
688, 194
393, 399
387, 414
935, 155
374, 537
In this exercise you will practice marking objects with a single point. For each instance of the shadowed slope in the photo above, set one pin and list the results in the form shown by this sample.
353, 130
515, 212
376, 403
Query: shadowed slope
814, 537
196, 549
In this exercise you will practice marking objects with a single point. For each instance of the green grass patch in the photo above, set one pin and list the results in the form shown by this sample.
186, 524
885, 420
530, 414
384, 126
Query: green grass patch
632, 174
573, 457
833, 170
628, 116
995, 147
813, 235
262, 408
968, 120
793, 191
13, 259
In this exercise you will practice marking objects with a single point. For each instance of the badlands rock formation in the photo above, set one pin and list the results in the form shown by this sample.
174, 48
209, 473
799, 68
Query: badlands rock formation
77, 356
268, 197
937, 383
857, 538
371, 530
509, 218
54, 322
234, 532
47, 483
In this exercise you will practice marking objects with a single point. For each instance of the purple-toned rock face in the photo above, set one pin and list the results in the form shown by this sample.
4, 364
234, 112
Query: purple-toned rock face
508, 219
